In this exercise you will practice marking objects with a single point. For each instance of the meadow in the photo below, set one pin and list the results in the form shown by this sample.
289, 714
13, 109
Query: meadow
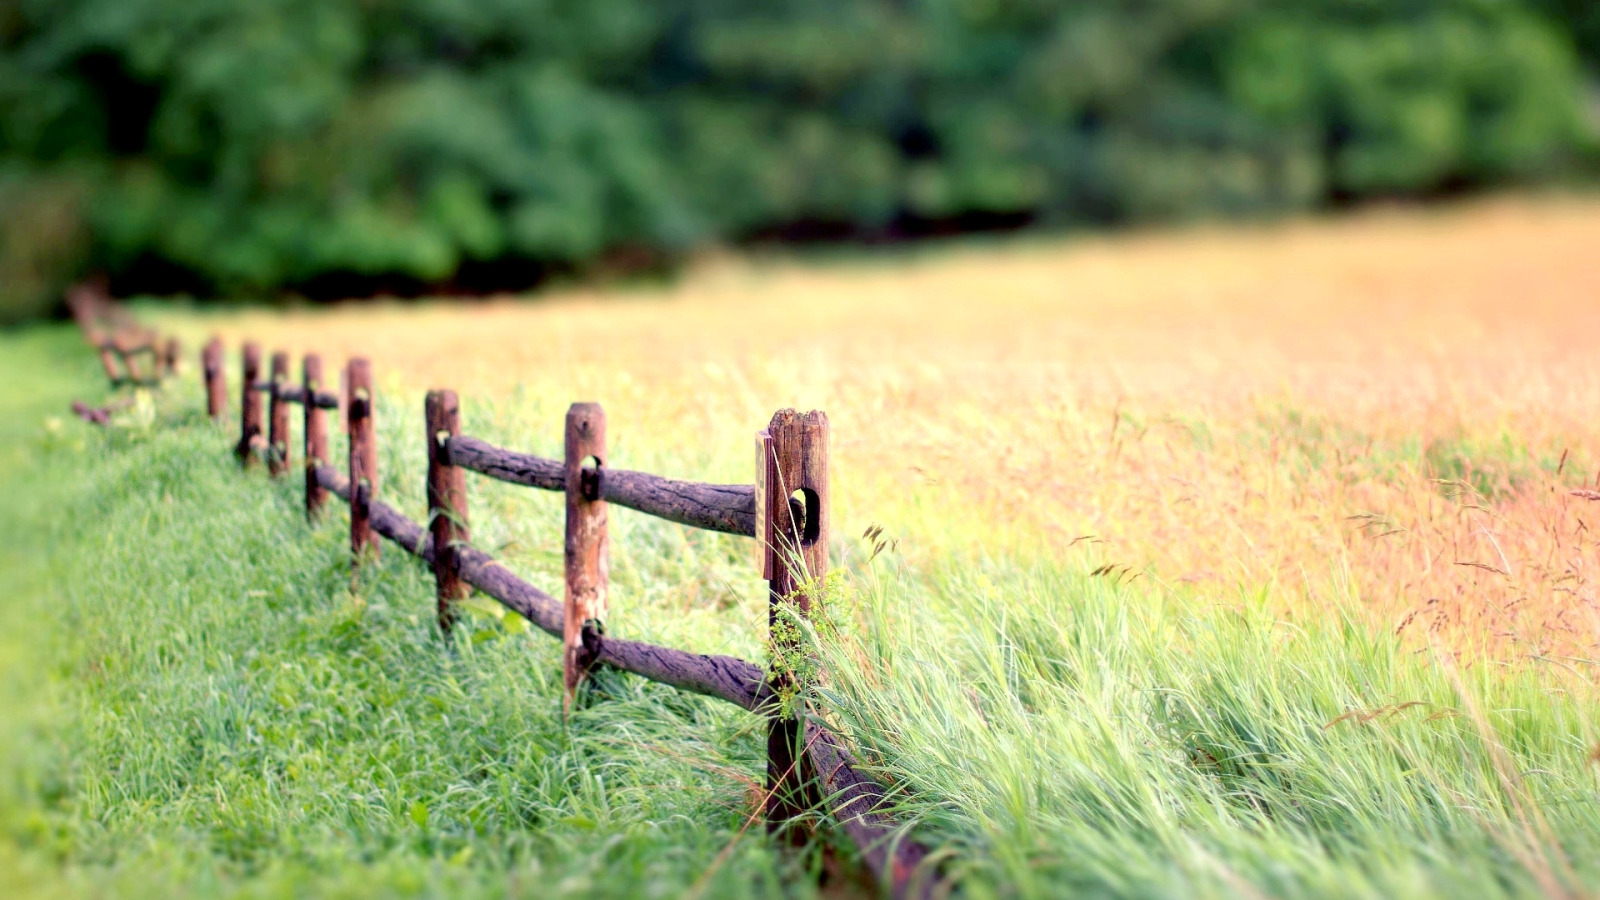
1220, 562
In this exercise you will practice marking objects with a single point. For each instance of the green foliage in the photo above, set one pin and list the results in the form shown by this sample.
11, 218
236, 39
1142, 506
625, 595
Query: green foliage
792, 640
43, 238
251, 145
1582, 19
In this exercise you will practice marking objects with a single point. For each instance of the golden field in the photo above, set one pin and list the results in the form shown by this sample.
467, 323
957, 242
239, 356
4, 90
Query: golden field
1384, 412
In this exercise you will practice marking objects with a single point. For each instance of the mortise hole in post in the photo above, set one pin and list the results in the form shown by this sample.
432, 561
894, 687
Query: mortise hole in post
440, 437
589, 477
807, 512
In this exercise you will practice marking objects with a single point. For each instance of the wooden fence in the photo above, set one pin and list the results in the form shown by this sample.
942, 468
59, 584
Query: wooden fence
785, 510
129, 353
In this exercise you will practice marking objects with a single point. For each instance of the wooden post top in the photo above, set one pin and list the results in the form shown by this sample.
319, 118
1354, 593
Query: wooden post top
792, 463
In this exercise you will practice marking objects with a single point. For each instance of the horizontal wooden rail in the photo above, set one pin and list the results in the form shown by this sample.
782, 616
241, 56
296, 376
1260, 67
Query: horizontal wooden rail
294, 393
728, 508
852, 798
130, 349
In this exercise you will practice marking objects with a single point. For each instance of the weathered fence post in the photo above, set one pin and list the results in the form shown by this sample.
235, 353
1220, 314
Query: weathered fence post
108, 362
588, 551
363, 458
792, 546
216, 380
447, 503
130, 359
316, 433
82, 301
278, 418
249, 405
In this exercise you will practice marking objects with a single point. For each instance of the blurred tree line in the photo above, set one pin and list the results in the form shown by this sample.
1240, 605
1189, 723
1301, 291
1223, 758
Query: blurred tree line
256, 146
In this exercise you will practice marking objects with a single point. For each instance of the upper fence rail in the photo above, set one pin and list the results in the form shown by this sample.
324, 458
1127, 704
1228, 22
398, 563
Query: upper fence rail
728, 508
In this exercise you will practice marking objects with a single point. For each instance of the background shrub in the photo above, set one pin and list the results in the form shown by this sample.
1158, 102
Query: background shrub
252, 146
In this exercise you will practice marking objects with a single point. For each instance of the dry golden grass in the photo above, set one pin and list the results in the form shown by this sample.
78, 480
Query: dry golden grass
1390, 407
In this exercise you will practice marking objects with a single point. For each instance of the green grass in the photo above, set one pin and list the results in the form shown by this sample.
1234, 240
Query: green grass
200, 702
1069, 736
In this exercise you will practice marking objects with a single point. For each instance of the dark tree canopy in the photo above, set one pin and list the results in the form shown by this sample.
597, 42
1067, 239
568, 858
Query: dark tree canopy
246, 147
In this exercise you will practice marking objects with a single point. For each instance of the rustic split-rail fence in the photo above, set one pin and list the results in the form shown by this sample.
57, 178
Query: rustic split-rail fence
785, 510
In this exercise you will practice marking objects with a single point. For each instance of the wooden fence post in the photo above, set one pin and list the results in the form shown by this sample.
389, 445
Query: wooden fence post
363, 458
447, 504
792, 546
278, 418
108, 362
172, 351
249, 405
83, 300
316, 433
588, 551
130, 359
216, 380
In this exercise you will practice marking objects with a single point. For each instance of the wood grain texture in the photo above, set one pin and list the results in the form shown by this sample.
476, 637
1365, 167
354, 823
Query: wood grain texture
249, 405
857, 803
793, 479
363, 457
587, 549
211, 368
447, 505
278, 455
315, 429
728, 508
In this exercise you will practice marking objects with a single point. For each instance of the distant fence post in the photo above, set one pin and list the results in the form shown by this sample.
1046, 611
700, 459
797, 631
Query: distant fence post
83, 302
130, 359
216, 380
108, 362
792, 545
278, 418
172, 351
316, 433
447, 504
363, 458
587, 549
249, 405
